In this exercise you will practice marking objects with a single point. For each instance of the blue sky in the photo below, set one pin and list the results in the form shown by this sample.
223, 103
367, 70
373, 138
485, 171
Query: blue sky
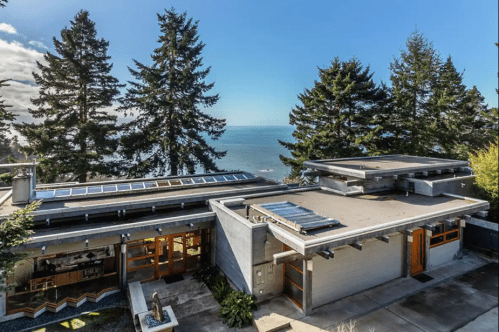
263, 53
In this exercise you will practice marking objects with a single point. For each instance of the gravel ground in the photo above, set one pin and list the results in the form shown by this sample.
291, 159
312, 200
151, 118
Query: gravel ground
25, 323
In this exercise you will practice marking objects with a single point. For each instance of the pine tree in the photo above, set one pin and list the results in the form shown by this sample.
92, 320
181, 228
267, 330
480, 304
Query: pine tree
168, 96
6, 118
460, 121
3, 2
414, 77
76, 134
335, 115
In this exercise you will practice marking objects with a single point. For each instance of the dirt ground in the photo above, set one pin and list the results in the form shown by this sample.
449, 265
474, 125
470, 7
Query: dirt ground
107, 320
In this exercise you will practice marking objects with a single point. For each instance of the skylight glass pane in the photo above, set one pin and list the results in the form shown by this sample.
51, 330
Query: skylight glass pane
220, 178
44, 194
94, 190
163, 183
249, 176
198, 180
230, 177
108, 189
62, 192
186, 181
209, 179
149, 184
240, 176
175, 182
137, 185
124, 186
79, 191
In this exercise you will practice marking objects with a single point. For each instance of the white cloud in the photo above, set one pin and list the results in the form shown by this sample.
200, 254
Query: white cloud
7, 28
38, 44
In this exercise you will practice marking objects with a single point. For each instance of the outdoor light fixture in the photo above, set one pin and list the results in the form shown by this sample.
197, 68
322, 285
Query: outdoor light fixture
86, 217
160, 231
191, 226
86, 243
182, 205
153, 208
43, 250
128, 236
119, 213
47, 221
124, 213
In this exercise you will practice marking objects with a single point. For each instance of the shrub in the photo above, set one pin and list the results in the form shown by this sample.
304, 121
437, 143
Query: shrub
207, 275
236, 310
221, 288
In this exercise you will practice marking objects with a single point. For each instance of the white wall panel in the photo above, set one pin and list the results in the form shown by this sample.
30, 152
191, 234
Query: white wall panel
352, 270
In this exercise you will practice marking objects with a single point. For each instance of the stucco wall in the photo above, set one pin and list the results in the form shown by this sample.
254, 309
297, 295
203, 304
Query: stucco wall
352, 270
444, 253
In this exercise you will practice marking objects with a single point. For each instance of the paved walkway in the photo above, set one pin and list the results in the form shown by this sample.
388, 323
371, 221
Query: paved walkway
460, 293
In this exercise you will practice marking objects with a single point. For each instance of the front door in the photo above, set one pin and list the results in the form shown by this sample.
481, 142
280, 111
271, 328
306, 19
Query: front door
417, 252
170, 253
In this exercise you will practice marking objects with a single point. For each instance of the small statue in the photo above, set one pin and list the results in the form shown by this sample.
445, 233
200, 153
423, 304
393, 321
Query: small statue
157, 309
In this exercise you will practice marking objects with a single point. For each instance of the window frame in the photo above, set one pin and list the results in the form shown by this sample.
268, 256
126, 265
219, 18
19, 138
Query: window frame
445, 233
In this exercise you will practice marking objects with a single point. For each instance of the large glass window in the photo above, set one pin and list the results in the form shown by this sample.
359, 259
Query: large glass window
293, 280
52, 280
444, 233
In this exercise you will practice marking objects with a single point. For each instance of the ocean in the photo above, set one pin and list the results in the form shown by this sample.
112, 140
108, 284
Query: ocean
255, 149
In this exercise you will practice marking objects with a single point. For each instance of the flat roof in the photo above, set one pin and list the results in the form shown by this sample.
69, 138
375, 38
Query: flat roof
379, 166
363, 216
127, 200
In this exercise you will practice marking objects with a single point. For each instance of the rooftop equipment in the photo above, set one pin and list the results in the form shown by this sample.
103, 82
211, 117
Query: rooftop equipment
294, 216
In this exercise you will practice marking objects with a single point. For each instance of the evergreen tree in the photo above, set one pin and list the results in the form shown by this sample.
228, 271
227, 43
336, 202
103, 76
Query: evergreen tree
76, 133
459, 112
168, 96
6, 118
414, 77
3, 2
14, 232
335, 115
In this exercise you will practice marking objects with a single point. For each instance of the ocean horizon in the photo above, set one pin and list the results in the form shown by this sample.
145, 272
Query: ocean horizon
255, 149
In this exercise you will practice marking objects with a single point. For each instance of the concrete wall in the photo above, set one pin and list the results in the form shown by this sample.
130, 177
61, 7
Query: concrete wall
234, 247
444, 253
335, 184
271, 282
352, 270
439, 187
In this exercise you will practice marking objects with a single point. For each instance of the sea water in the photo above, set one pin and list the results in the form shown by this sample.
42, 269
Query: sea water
255, 149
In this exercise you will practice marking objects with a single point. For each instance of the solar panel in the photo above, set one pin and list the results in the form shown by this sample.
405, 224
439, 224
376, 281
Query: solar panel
137, 185
220, 178
79, 191
44, 194
94, 190
294, 216
122, 187
62, 192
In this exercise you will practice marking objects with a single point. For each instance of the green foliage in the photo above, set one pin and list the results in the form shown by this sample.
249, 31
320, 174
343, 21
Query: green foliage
334, 114
6, 119
207, 275
485, 164
3, 2
76, 134
14, 232
221, 288
431, 113
167, 98
236, 309
7, 178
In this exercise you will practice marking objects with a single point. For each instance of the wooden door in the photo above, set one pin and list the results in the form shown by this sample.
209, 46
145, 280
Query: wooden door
162, 256
417, 251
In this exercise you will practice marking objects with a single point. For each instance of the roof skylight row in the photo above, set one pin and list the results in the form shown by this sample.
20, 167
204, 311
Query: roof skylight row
124, 187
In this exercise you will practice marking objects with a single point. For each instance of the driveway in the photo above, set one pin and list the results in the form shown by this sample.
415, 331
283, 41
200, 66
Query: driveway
459, 296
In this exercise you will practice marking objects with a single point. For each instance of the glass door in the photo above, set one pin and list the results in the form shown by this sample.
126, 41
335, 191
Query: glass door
163, 256
178, 253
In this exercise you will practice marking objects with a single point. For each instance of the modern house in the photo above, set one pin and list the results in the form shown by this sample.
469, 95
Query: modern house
368, 221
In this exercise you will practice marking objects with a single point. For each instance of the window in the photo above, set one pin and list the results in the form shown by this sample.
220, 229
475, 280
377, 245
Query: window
444, 233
